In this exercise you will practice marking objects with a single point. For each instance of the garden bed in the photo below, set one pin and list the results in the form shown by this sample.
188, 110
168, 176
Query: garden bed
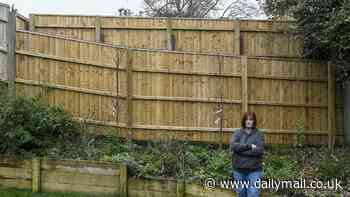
30, 129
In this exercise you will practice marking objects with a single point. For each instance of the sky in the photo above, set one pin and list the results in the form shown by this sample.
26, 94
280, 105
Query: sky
86, 7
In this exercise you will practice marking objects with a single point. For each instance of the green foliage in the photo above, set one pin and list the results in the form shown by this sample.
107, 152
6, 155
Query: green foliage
28, 125
157, 158
324, 26
3, 87
281, 167
300, 134
331, 167
217, 165
171, 158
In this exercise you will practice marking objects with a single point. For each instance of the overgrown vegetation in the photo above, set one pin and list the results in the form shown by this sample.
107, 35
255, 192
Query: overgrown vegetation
28, 127
334, 166
324, 26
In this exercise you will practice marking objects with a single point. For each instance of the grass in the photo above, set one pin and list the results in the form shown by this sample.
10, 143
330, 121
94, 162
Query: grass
28, 193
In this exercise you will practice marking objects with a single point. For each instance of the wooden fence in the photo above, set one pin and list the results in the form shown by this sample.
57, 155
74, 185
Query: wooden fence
4, 27
155, 94
22, 22
245, 37
46, 175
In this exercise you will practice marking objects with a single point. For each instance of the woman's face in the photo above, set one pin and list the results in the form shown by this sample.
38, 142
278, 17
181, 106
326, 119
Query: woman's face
249, 122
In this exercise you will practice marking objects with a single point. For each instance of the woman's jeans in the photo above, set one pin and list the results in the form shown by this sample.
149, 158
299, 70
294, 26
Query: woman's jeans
243, 179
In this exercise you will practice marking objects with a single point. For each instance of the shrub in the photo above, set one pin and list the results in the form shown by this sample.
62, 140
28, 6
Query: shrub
281, 167
28, 125
333, 168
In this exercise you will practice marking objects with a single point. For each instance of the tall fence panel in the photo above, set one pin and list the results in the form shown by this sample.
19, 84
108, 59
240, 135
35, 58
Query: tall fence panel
22, 22
246, 37
155, 94
86, 78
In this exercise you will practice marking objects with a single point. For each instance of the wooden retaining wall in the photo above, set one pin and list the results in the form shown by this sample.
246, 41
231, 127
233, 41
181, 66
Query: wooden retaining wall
155, 94
46, 175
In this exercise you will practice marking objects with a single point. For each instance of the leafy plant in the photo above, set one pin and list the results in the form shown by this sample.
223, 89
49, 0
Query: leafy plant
331, 167
300, 134
324, 26
280, 167
26, 124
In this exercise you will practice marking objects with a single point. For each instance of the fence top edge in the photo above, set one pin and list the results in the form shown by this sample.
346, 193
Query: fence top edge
299, 59
22, 17
4, 5
17, 157
82, 161
164, 18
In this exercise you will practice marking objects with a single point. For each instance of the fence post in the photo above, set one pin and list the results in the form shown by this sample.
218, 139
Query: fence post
244, 63
98, 29
170, 38
11, 51
331, 106
180, 188
32, 22
129, 62
237, 38
36, 175
123, 181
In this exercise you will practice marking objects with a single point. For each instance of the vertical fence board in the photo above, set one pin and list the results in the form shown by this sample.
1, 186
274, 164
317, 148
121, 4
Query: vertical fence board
11, 58
123, 181
4, 40
36, 175
130, 107
98, 29
244, 63
32, 22
237, 38
331, 106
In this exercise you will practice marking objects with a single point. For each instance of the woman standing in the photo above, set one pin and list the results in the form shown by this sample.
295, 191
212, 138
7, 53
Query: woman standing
247, 146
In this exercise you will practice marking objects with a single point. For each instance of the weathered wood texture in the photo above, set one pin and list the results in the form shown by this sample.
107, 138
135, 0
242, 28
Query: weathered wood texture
60, 175
155, 94
45, 175
22, 22
246, 37
15, 173
4, 28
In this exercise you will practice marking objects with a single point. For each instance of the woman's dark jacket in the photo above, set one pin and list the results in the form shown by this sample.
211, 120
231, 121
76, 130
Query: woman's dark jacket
244, 157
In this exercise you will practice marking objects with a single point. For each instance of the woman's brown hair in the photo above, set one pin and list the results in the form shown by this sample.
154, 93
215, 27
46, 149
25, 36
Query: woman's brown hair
245, 117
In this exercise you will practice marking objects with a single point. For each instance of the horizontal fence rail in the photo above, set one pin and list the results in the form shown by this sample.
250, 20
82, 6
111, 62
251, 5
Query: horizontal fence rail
155, 94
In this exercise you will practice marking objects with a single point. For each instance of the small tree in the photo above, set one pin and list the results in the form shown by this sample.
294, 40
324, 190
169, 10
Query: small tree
180, 8
325, 27
244, 9
125, 12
